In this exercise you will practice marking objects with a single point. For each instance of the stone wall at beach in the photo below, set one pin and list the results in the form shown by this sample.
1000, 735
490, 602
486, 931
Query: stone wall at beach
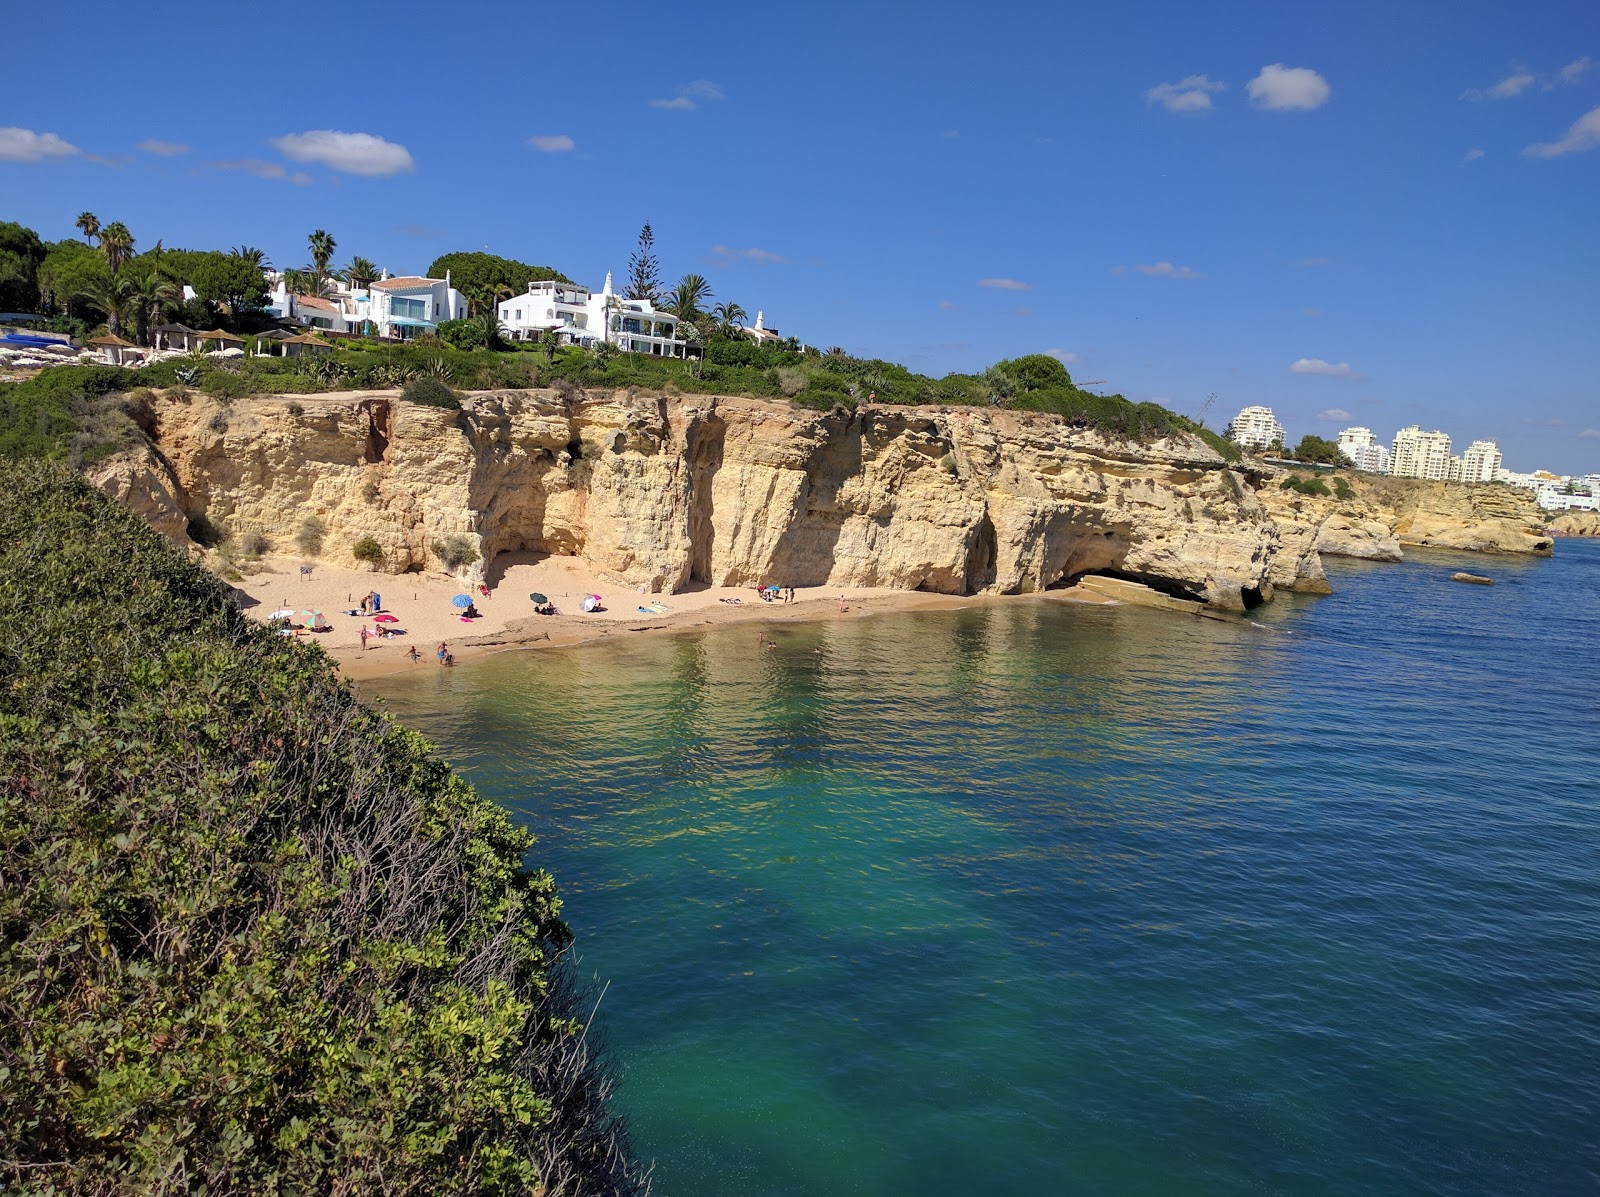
1383, 515
665, 491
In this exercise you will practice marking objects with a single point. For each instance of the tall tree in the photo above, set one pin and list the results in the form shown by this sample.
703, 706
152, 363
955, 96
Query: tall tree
233, 279
68, 268
109, 293
147, 293
253, 256
684, 302
729, 317
361, 272
643, 281
117, 243
322, 247
21, 255
88, 224
474, 269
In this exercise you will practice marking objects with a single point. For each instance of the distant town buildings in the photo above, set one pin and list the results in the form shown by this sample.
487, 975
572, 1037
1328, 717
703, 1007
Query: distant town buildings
391, 307
577, 316
1419, 454
1364, 450
1255, 428
1481, 462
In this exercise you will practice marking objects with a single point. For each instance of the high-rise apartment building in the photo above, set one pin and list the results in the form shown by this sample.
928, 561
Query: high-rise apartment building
1480, 462
1255, 428
1364, 450
1419, 454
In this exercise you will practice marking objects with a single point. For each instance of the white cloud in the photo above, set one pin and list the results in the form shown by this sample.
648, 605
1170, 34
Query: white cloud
162, 149
353, 153
1576, 69
1312, 262
1511, 86
1589, 434
1192, 94
1584, 135
552, 143
1279, 88
947, 306
1005, 284
761, 257
1168, 270
684, 101
1472, 155
24, 145
1064, 355
1333, 413
1315, 365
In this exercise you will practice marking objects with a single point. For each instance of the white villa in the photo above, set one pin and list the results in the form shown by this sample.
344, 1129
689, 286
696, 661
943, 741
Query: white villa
578, 316
391, 307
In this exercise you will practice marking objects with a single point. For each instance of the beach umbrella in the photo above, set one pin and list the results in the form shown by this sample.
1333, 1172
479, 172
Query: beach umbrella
461, 601
538, 598
591, 602
385, 618
282, 613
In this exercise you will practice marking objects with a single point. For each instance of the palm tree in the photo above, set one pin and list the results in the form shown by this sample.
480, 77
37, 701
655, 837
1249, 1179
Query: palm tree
117, 242
487, 296
306, 281
361, 272
322, 247
88, 224
728, 317
252, 255
147, 291
108, 293
684, 302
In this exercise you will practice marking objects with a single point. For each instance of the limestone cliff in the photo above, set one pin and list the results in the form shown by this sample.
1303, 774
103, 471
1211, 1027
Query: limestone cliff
666, 491
1378, 516
1575, 523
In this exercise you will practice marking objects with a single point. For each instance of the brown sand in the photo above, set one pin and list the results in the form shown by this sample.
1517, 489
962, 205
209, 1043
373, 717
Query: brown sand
422, 604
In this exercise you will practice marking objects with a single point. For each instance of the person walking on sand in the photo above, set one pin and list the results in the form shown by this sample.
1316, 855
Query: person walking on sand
364, 635
413, 654
841, 604
442, 653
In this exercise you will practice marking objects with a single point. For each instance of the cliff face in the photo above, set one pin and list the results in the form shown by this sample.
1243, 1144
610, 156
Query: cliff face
1382, 515
668, 491
1576, 523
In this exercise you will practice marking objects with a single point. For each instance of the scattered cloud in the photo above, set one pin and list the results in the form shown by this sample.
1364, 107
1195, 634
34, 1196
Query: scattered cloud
1472, 155
1064, 355
1119, 270
352, 153
728, 256
947, 306
1019, 312
552, 143
256, 168
951, 134
1583, 135
1192, 94
1280, 88
1589, 434
417, 230
1315, 365
161, 149
24, 145
1576, 70
1312, 262
1333, 413
1005, 284
1511, 86
1168, 270
688, 94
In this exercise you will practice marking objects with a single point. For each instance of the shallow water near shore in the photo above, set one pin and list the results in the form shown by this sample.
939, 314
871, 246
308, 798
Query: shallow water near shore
1041, 898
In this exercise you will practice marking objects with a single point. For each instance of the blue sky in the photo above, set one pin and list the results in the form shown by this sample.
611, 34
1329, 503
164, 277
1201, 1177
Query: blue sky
1380, 209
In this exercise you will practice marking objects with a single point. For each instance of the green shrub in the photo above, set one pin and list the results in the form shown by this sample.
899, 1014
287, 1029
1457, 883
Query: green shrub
1306, 485
253, 543
226, 385
1342, 488
431, 392
253, 933
368, 550
309, 536
455, 551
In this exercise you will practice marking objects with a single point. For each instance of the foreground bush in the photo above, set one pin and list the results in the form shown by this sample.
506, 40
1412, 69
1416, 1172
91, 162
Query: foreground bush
254, 937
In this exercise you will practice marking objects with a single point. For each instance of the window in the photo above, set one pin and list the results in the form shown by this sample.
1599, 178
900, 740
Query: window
408, 309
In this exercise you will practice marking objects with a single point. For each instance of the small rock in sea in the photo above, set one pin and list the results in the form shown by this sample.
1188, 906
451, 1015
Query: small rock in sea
1475, 579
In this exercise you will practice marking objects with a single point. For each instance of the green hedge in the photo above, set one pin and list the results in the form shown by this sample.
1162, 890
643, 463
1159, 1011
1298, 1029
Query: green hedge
254, 937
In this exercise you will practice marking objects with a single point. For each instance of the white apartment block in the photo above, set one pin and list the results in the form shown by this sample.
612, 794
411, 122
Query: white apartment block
576, 315
1364, 450
1419, 454
1255, 428
1481, 462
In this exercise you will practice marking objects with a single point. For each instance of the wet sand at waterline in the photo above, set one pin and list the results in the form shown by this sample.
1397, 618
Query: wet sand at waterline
421, 602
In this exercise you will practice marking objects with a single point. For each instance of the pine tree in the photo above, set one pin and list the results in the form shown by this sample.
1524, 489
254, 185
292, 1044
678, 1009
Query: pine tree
643, 282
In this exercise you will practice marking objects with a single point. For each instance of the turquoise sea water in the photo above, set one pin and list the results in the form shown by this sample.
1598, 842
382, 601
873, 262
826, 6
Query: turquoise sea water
1033, 898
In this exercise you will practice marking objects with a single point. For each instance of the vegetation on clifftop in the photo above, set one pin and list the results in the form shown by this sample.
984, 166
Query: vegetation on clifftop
254, 937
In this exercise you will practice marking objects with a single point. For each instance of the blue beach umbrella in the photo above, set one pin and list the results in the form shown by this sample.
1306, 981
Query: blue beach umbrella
462, 601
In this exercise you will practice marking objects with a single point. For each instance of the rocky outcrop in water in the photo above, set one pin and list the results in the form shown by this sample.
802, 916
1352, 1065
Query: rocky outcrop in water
667, 491
1575, 523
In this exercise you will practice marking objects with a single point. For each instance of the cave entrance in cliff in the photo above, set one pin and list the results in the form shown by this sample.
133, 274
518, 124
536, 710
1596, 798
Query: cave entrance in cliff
981, 557
1251, 596
1165, 586
377, 430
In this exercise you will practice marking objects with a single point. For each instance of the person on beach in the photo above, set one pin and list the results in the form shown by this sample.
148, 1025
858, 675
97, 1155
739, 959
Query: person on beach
364, 599
413, 654
442, 653
841, 604
364, 635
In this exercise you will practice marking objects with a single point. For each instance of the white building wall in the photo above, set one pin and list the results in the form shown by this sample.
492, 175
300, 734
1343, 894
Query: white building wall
1255, 427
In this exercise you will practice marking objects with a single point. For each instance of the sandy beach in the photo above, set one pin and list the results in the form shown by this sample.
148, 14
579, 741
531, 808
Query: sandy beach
421, 605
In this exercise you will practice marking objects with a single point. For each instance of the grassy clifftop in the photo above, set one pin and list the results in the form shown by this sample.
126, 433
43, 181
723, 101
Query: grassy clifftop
254, 937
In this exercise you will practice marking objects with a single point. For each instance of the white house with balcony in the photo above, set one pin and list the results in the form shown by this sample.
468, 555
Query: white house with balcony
576, 315
410, 304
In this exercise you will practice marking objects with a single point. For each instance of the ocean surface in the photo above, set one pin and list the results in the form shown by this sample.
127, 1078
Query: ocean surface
1036, 898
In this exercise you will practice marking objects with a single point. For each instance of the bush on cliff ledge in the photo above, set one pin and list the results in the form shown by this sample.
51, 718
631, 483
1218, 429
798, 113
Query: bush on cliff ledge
254, 937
